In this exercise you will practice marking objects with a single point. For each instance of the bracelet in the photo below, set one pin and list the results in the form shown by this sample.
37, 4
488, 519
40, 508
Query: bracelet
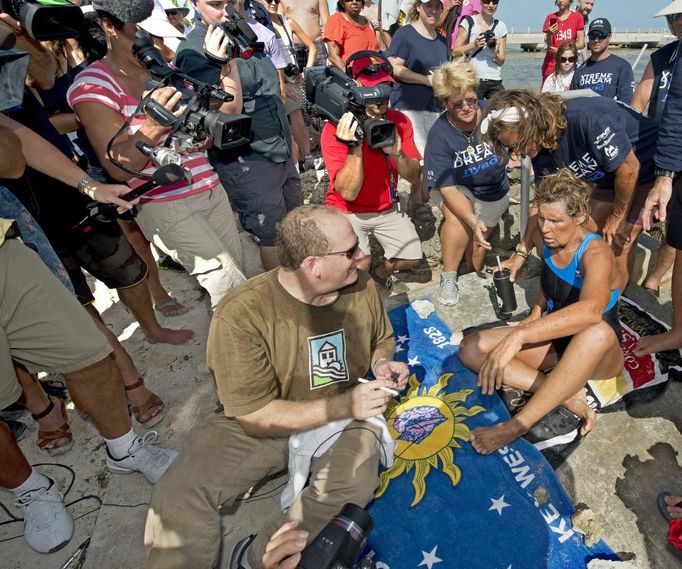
374, 365
84, 182
521, 254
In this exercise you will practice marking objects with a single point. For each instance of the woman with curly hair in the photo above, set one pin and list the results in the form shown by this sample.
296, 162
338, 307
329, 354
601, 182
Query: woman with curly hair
601, 141
572, 329
565, 62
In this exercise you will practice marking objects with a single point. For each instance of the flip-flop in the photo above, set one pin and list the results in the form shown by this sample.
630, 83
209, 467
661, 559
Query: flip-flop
663, 506
171, 308
652, 291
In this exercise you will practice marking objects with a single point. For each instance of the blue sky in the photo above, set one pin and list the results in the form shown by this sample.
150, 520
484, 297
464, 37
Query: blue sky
621, 13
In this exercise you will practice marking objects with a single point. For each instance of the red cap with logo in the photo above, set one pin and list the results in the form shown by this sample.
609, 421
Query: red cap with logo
371, 71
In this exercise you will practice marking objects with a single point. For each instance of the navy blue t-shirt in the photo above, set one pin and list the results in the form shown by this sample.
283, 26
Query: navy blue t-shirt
448, 162
611, 77
421, 55
600, 134
662, 62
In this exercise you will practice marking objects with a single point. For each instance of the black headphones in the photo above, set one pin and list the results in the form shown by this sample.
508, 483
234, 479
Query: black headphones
374, 68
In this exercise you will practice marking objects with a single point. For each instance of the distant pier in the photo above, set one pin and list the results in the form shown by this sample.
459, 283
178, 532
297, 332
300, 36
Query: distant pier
531, 39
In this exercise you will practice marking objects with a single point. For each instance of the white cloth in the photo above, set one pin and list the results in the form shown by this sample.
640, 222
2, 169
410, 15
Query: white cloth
558, 83
318, 441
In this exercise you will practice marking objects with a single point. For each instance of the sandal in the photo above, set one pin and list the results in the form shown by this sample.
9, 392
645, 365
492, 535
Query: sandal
47, 440
652, 291
152, 402
171, 308
663, 506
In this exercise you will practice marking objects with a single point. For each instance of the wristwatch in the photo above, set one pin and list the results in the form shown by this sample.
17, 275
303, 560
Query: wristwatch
660, 172
83, 183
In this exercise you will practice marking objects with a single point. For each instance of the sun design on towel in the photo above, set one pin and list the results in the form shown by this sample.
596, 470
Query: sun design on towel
426, 424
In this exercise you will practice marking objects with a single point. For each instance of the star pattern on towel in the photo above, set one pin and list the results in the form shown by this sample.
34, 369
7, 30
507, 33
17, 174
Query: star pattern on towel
413, 361
499, 504
402, 339
430, 558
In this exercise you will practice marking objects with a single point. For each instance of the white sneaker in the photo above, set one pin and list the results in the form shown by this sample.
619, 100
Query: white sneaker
448, 294
145, 457
47, 525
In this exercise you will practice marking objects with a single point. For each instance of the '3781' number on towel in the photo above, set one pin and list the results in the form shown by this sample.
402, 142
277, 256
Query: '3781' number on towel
436, 336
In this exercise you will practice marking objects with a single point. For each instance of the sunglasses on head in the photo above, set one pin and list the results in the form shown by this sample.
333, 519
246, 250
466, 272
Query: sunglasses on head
597, 35
348, 253
571, 59
672, 18
459, 105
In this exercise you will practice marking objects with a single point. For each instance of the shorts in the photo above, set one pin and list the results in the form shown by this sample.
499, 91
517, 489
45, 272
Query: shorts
301, 52
488, 87
262, 193
394, 231
488, 212
635, 214
107, 255
42, 326
294, 96
422, 121
675, 217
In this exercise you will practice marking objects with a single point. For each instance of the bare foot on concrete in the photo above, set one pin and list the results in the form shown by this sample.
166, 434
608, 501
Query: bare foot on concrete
488, 439
670, 340
168, 336
579, 407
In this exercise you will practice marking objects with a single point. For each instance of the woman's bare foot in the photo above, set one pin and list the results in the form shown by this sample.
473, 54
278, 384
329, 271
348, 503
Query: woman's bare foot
674, 504
488, 439
168, 336
579, 407
671, 340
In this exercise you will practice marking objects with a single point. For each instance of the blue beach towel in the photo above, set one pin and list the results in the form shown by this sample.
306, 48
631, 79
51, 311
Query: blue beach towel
442, 505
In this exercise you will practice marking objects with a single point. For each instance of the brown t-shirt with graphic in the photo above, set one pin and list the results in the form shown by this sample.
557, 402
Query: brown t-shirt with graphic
264, 344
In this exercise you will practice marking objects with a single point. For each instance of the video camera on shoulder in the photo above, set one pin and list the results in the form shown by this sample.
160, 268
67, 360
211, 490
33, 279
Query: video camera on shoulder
45, 19
198, 121
340, 542
330, 93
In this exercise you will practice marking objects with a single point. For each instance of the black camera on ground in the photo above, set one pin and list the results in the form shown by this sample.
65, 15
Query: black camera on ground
54, 20
198, 121
490, 39
330, 93
340, 542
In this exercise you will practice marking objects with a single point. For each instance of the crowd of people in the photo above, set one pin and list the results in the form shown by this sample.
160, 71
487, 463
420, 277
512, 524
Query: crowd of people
285, 346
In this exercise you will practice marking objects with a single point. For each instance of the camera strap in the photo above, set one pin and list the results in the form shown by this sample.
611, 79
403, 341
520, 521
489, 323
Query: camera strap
392, 178
491, 29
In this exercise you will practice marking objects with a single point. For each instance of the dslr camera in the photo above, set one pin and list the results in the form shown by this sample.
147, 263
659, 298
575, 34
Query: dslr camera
490, 39
45, 19
330, 93
340, 542
198, 121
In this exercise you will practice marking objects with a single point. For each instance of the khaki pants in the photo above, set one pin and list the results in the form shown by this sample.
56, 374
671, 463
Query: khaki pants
200, 232
221, 462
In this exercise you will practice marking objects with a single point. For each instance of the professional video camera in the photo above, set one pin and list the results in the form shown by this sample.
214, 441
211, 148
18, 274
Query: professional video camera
340, 542
330, 93
45, 19
198, 120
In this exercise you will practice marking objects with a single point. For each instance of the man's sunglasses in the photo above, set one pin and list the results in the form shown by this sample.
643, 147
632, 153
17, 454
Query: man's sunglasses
348, 253
459, 105
597, 35
672, 18
571, 59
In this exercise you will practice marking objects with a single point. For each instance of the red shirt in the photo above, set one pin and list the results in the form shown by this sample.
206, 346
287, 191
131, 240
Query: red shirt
567, 30
350, 36
375, 193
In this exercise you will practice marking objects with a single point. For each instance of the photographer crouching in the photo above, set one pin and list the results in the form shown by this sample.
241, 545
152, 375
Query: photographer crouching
190, 220
260, 178
364, 169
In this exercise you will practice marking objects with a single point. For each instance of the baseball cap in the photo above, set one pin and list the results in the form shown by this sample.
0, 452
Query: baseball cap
158, 25
601, 25
370, 71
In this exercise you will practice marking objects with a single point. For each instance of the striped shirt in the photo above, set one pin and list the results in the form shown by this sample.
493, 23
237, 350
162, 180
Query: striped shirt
96, 84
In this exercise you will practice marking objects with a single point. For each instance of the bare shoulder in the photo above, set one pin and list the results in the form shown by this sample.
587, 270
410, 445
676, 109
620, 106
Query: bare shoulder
598, 253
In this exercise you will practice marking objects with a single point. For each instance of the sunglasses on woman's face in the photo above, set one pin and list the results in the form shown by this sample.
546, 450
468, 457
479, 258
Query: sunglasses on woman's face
171, 12
490, 1
672, 18
459, 105
571, 59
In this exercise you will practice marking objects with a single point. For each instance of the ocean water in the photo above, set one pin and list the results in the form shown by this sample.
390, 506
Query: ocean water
522, 69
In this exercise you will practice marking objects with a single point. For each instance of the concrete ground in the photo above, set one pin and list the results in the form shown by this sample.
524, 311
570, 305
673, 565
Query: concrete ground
617, 471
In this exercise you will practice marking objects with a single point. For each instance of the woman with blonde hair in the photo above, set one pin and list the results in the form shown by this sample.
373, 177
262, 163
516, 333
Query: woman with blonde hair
565, 62
572, 329
467, 179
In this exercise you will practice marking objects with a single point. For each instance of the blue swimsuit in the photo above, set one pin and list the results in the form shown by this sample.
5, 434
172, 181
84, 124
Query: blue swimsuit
562, 288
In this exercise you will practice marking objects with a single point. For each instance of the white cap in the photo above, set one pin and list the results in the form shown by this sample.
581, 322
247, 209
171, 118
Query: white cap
674, 7
158, 25
170, 5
